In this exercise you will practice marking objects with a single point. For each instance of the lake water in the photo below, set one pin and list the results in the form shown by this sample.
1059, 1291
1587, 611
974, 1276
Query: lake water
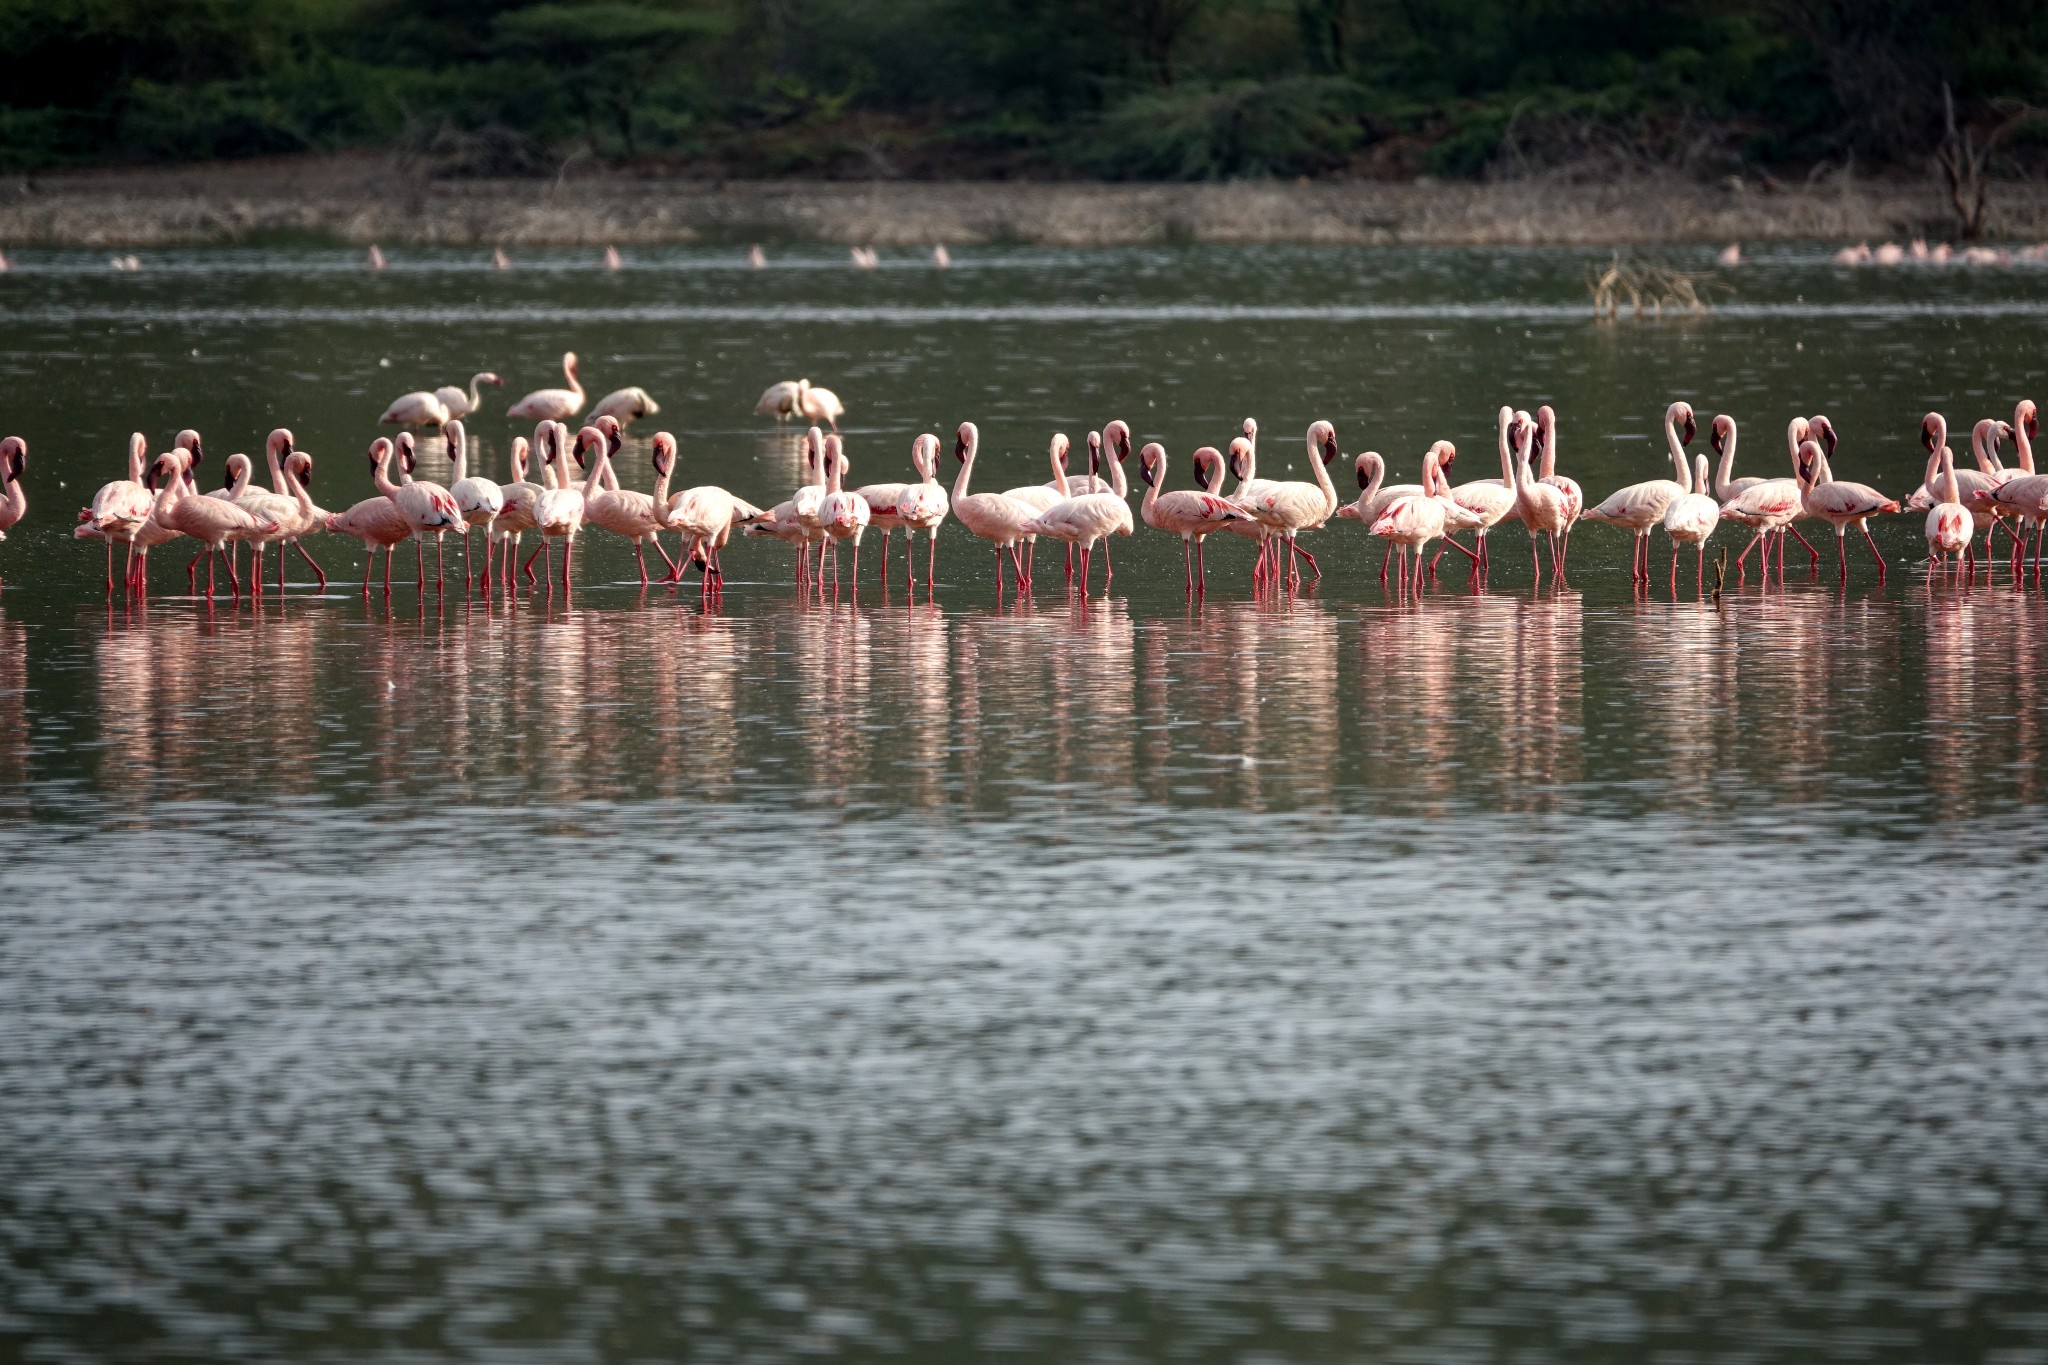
1508, 974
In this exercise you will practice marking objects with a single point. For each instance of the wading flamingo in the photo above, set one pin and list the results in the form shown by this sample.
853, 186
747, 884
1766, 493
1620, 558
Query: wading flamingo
464, 403
308, 518
556, 405
214, 522
1491, 500
626, 405
628, 512
996, 517
1842, 504
778, 400
2024, 495
844, 515
558, 512
1950, 528
1541, 507
420, 408
818, 405
1085, 519
923, 507
1574, 496
1409, 523
1641, 506
705, 517
121, 507
277, 510
1189, 513
14, 503
427, 507
1690, 520
479, 499
376, 522
515, 517
278, 450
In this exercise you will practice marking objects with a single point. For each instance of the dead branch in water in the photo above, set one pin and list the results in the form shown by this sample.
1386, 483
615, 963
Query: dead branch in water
1648, 287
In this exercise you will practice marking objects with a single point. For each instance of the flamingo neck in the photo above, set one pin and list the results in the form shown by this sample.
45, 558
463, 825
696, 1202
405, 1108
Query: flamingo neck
138, 451
1331, 502
380, 474
1379, 476
1118, 484
1507, 466
966, 468
1678, 459
569, 371
1059, 470
1980, 447
1152, 489
1549, 445
1794, 434
2023, 448
1726, 474
1950, 493
1251, 469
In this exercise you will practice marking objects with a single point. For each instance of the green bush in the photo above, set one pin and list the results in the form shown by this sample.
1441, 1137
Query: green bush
1298, 126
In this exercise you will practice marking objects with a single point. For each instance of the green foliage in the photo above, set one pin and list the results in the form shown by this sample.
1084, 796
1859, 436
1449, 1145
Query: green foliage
1129, 88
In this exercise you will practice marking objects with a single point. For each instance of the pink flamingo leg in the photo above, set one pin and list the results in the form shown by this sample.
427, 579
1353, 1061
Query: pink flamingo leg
369, 563
1864, 527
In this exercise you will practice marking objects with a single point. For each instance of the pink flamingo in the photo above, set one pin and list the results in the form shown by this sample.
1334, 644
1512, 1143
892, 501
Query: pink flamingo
1411, 522
923, 506
465, 404
637, 516
1041, 497
278, 450
1950, 528
213, 522
1491, 500
376, 522
1190, 514
1975, 486
844, 515
558, 512
1087, 519
477, 498
996, 517
1574, 496
1842, 504
121, 507
2024, 496
1542, 507
1690, 520
280, 511
555, 405
427, 507
704, 516
515, 516
1641, 506
13, 464
306, 518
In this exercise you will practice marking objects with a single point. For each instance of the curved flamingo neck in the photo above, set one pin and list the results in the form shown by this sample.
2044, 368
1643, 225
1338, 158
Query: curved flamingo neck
138, 455
2022, 444
1726, 475
1152, 486
1507, 465
966, 473
1950, 493
458, 451
1251, 467
1678, 459
277, 479
1980, 446
1379, 476
1331, 502
380, 473
297, 491
1795, 436
1548, 421
519, 459
1058, 453
1118, 484
238, 483
569, 372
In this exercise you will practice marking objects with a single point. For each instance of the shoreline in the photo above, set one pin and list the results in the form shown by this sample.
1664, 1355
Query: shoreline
359, 200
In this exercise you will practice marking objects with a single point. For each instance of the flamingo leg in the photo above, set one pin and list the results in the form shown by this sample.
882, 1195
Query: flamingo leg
420, 549
1535, 560
1314, 567
369, 563
931, 561
441, 563
885, 556
853, 588
527, 567
1108, 569
1864, 527
1187, 566
1842, 551
1385, 559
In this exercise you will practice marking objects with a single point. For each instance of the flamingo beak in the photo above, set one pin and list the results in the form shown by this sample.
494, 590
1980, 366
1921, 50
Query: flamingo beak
960, 450
1691, 430
1329, 448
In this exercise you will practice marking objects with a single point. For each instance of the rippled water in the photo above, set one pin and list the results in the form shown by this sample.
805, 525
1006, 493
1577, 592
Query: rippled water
1511, 974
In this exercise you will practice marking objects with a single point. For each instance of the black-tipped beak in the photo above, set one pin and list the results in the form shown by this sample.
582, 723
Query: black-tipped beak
1691, 430
960, 450
1329, 449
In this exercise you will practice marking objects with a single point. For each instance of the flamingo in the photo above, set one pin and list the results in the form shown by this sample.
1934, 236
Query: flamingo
479, 499
626, 405
376, 522
1975, 486
279, 511
818, 405
1191, 514
552, 404
419, 408
923, 507
427, 507
1574, 496
213, 522
996, 517
1690, 520
2025, 495
785, 521
1085, 519
516, 517
1041, 497
1640, 506
13, 464
808, 500
778, 400
1410, 522
1491, 500
277, 449
306, 518
558, 512
1541, 506
881, 499
843, 515
461, 403
120, 508
1950, 528
1841, 504
637, 516
1288, 507
704, 516
1760, 503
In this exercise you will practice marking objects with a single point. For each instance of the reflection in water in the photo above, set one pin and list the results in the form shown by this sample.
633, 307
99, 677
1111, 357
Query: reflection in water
14, 733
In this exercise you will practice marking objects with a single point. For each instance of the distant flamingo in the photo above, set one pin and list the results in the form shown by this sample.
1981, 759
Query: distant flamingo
996, 517
809, 500
1041, 497
785, 520
1189, 513
2025, 495
818, 405
1289, 507
464, 403
778, 400
705, 516
1761, 503
277, 449
1641, 506
416, 409
1974, 486
121, 507
1842, 504
480, 500
626, 405
1690, 520
376, 522
554, 404
843, 514
279, 512
881, 499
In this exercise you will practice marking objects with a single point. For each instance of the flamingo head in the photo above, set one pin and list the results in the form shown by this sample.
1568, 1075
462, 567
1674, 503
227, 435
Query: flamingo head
1679, 415
238, 464
1546, 421
1824, 431
614, 437
1323, 437
569, 363
408, 452
1058, 450
1116, 438
1369, 465
457, 438
1240, 456
188, 441
300, 464
835, 461
964, 440
2027, 418
161, 471
1094, 451
488, 378
1150, 461
2000, 434
1810, 457
1206, 459
13, 458
1251, 429
380, 453
924, 455
279, 443
1721, 433
664, 452
589, 437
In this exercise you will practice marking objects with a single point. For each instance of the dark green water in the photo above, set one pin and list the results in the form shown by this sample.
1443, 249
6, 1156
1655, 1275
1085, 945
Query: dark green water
1509, 974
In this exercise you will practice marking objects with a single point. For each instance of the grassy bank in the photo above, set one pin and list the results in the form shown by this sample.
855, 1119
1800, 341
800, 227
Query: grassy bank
363, 199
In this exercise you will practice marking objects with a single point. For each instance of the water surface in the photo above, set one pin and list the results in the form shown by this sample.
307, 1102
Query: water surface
1511, 973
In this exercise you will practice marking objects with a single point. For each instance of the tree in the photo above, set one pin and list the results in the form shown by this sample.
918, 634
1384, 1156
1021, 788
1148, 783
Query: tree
606, 54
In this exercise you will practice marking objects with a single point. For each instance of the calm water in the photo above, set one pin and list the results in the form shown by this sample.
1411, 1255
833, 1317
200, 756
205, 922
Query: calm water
1506, 975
